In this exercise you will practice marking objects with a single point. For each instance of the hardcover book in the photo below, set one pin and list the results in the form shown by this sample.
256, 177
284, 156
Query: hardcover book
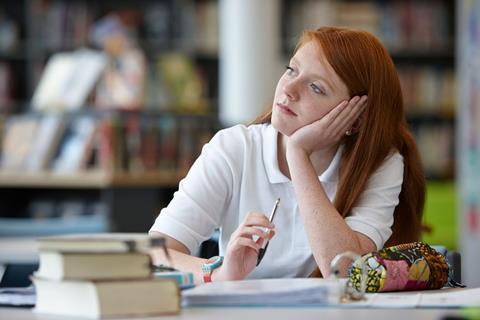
100, 242
96, 299
93, 266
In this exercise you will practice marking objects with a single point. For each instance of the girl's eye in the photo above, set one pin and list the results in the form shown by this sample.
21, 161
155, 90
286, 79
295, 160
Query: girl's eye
289, 70
317, 89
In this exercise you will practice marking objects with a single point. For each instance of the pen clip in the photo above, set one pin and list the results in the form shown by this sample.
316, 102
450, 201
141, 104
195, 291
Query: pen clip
274, 209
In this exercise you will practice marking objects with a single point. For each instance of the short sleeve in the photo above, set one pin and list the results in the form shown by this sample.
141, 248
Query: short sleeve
197, 207
373, 215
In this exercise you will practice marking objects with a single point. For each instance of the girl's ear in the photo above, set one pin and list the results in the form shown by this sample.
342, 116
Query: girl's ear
359, 122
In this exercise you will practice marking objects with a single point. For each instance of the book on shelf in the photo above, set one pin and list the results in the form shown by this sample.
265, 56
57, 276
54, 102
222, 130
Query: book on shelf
403, 26
93, 266
100, 242
189, 132
133, 143
68, 79
169, 138
47, 138
207, 27
150, 137
60, 24
157, 22
183, 80
428, 90
104, 298
17, 141
104, 145
6, 86
76, 146
363, 15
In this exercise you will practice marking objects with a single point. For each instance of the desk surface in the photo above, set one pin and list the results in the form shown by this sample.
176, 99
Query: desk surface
264, 313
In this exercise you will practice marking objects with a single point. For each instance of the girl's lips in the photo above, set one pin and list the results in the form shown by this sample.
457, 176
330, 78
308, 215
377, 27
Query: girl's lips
286, 109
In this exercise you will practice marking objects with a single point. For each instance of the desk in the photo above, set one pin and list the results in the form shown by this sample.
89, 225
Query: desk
316, 313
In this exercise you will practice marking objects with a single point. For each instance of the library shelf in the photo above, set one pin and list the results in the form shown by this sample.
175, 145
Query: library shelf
89, 179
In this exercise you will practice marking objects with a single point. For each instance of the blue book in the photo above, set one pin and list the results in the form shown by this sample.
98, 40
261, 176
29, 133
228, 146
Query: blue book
184, 279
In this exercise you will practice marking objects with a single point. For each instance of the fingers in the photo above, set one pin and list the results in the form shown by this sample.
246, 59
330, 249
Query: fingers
252, 233
354, 109
335, 112
258, 220
346, 113
243, 237
245, 242
249, 232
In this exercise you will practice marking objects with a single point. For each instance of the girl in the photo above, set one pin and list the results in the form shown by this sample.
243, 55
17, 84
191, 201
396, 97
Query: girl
334, 148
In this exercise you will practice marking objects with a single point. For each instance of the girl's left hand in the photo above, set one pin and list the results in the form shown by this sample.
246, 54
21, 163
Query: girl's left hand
330, 129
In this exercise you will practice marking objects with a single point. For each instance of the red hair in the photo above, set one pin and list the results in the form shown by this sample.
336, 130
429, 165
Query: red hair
366, 68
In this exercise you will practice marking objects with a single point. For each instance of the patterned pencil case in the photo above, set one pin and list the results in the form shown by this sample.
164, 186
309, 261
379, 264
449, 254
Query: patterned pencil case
410, 266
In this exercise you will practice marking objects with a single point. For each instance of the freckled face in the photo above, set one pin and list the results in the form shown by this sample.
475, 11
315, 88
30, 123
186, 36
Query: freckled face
307, 91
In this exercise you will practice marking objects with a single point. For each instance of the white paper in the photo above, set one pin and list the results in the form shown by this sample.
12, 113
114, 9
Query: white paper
265, 292
444, 298
451, 298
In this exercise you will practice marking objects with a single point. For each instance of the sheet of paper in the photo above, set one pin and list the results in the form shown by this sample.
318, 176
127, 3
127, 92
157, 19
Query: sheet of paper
451, 298
265, 292
395, 300
445, 298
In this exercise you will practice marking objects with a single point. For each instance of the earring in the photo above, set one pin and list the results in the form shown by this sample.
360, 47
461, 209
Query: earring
348, 132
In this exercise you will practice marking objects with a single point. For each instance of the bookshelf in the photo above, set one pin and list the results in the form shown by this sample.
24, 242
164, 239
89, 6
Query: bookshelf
135, 149
423, 50
420, 38
89, 179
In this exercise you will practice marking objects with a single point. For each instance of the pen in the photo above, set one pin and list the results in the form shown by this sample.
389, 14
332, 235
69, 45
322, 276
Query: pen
262, 251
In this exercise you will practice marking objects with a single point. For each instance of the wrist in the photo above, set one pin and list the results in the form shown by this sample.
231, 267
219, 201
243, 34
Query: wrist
295, 152
217, 274
209, 266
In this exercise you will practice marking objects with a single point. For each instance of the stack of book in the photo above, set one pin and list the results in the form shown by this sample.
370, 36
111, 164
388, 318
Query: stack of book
101, 275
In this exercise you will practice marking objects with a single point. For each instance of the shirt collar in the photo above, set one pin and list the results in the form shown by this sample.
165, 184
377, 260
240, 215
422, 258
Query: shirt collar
270, 161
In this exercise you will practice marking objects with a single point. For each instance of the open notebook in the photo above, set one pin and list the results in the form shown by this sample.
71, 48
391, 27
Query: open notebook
320, 292
268, 292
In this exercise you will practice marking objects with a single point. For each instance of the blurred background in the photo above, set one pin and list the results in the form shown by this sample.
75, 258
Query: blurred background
105, 104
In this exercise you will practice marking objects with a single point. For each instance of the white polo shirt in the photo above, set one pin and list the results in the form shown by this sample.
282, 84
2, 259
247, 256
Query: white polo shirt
237, 172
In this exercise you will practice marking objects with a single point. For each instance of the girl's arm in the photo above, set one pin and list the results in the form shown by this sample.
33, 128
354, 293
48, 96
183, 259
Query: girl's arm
327, 231
241, 254
180, 257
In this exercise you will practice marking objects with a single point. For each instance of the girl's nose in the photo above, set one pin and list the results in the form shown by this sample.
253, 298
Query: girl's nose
290, 90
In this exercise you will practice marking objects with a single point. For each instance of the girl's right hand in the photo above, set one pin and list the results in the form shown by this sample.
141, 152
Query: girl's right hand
242, 250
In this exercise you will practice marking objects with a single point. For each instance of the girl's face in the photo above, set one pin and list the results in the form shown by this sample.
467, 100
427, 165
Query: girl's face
307, 91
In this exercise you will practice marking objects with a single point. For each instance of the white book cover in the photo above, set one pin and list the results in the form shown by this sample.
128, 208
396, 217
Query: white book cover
46, 140
75, 146
68, 79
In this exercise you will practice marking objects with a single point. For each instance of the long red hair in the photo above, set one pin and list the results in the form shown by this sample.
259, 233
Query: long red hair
366, 68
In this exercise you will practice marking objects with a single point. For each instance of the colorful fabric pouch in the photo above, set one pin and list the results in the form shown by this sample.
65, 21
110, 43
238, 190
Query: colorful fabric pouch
411, 266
